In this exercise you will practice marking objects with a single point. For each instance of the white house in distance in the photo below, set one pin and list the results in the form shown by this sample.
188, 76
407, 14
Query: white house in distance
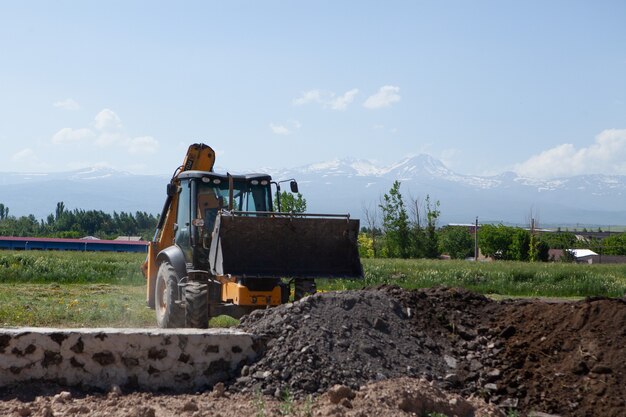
584, 255
581, 255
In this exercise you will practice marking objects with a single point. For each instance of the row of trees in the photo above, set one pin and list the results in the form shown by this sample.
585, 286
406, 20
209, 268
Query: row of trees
400, 231
79, 223
412, 232
405, 232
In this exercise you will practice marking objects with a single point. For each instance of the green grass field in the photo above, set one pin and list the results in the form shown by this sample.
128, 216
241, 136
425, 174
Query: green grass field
91, 289
502, 277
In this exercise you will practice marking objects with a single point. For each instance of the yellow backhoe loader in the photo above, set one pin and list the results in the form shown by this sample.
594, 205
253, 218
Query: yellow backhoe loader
219, 247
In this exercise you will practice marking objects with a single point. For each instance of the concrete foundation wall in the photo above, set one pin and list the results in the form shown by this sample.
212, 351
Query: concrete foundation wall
180, 359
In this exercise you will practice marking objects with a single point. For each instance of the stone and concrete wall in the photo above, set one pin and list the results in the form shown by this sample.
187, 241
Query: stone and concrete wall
179, 359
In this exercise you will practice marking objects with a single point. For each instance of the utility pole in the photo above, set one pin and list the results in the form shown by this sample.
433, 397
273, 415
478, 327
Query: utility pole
476, 240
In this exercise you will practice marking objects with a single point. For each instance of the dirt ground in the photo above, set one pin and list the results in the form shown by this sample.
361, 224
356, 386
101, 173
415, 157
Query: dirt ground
386, 351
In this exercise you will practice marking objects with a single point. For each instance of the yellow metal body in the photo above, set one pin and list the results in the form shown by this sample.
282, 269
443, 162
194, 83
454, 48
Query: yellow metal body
241, 295
199, 157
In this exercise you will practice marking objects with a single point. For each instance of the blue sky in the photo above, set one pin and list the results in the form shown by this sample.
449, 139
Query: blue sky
486, 86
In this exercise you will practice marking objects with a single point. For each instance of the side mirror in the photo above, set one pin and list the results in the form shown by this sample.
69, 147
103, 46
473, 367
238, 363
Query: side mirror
294, 186
171, 190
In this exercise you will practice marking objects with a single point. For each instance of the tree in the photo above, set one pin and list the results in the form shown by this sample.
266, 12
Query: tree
366, 246
456, 241
59, 210
290, 203
417, 231
4, 211
500, 242
518, 249
511, 243
371, 218
395, 223
559, 240
432, 214
615, 245
423, 229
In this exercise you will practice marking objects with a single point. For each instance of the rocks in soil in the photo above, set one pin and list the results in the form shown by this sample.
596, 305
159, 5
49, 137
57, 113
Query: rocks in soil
397, 351
347, 338
561, 358
340, 392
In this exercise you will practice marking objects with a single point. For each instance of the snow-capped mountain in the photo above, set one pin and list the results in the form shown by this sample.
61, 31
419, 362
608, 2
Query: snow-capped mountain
348, 186
89, 188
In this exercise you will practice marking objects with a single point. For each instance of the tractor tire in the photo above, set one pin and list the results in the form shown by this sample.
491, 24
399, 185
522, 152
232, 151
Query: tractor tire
285, 292
169, 314
197, 305
304, 287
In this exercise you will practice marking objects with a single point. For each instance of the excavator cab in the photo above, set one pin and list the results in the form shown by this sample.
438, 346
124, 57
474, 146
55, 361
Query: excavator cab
230, 253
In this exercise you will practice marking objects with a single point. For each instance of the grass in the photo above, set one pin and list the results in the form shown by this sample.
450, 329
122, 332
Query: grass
91, 289
69, 267
503, 278
74, 305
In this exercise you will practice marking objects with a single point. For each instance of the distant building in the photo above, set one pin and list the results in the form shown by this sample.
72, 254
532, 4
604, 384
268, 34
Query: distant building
86, 245
580, 255
129, 238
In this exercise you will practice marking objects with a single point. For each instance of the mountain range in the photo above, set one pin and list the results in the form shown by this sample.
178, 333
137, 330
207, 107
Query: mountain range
349, 186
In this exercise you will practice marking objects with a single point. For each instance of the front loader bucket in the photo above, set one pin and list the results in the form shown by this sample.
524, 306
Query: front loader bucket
272, 246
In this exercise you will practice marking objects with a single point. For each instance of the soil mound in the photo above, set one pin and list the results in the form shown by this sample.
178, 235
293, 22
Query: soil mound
387, 351
401, 397
561, 358
348, 338
566, 358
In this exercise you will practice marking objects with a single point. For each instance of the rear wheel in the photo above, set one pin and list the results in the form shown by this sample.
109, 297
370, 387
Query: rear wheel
169, 314
304, 287
197, 305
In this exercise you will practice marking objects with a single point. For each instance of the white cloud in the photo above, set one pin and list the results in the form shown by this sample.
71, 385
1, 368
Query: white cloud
386, 96
109, 131
69, 135
285, 129
327, 99
606, 155
311, 96
25, 154
280, 129
67, 104
342, 102
27, 159
143, 144
108, 120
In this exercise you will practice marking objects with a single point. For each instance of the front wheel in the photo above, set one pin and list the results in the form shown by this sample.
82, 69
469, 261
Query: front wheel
197, 305
169, 314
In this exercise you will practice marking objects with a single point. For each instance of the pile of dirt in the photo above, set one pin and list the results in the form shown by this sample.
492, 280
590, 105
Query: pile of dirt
460, 325
353, 337
401, 397
387, 351
563, 358
349, 338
